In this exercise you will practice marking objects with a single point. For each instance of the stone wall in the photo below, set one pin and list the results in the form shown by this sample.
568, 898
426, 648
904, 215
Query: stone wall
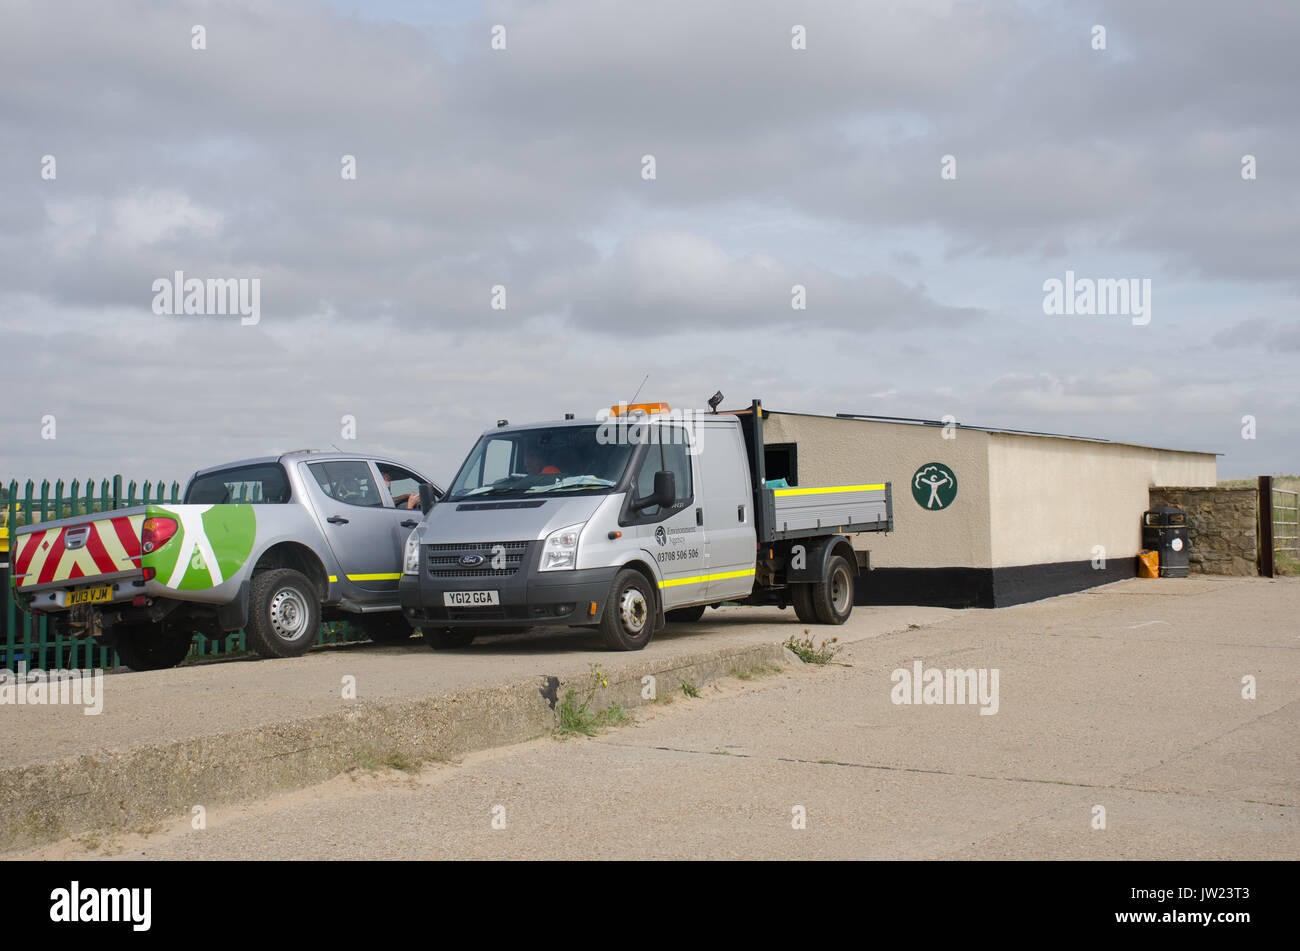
1221, 527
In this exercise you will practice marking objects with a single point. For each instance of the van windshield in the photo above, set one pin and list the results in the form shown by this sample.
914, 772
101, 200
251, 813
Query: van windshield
531, 463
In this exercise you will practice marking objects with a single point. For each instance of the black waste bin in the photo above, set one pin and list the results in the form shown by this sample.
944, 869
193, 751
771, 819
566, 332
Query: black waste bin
1165, 530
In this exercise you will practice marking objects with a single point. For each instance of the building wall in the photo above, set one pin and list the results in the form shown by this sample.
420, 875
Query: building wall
836, 451
1221, 527
1029, 509
1052, 500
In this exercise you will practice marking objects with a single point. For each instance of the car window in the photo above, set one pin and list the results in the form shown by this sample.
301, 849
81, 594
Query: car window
264, 484
668, 454
349, 481
403, 484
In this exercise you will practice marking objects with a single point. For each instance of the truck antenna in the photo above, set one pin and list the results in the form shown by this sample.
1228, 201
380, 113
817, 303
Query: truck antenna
638, 389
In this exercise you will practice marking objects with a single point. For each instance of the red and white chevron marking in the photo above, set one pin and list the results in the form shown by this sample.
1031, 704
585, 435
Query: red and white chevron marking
41, 557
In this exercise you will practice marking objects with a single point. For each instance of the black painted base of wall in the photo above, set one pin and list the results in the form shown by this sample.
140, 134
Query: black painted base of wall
985, 587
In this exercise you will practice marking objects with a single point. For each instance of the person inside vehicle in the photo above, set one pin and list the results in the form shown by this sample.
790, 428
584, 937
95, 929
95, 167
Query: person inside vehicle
535, 462
408, 501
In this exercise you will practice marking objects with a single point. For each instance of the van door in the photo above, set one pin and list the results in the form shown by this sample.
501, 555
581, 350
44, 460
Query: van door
675, 535
727, 502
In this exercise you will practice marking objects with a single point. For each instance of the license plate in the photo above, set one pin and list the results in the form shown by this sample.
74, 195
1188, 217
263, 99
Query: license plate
90, 595
469, 599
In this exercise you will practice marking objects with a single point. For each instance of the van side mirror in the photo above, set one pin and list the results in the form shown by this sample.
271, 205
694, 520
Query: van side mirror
664, 495
427, 497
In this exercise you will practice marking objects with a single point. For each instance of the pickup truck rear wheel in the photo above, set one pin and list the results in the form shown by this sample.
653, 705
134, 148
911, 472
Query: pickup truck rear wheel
628, 621
832, 599
447, 638
283, 613
390, 627
150, 646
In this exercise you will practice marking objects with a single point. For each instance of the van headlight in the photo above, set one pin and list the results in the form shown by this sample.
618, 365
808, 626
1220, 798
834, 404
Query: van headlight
560, 549
411, 559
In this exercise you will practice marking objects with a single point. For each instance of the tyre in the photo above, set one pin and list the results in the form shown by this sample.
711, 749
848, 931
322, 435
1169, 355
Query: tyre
628, 621
150, 646
832, 599
801, 596
390, 627
685, 615
283, 613
448, 638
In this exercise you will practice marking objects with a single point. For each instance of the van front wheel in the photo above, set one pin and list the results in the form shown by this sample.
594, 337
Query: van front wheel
628, 622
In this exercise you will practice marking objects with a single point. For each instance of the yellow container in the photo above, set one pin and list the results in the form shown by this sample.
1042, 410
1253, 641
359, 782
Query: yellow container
1148, 563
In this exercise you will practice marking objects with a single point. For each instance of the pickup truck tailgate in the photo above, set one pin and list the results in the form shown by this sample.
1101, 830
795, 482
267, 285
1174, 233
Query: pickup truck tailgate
837, 508
79, 550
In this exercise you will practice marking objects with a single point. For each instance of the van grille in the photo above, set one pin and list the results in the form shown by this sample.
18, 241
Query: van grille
444, 560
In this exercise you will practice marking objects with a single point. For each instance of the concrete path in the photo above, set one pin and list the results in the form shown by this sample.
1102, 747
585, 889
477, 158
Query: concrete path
1126, 699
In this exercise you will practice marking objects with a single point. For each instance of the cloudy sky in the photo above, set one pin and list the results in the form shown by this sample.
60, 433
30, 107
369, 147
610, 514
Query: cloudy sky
524, 168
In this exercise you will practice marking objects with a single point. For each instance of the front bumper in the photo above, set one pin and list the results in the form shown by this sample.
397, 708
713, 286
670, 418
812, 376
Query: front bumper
528, 597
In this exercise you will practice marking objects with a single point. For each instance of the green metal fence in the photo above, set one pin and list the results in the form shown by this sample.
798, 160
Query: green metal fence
42, 642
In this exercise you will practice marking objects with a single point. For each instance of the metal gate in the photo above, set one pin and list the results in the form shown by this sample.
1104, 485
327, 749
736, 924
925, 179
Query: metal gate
1286, 518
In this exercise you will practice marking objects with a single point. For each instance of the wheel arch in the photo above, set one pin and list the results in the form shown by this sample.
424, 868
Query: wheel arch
299, 557
637, 563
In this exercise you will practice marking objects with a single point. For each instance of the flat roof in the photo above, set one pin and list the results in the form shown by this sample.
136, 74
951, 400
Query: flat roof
911, 421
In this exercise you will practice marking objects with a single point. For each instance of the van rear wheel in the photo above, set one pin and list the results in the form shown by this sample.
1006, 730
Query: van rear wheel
832, 599
628, 621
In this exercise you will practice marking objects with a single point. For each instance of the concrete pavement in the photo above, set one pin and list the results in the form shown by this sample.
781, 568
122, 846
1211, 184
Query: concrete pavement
1126, 699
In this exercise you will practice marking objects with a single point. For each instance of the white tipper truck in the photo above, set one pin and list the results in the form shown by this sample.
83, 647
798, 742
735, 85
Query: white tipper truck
625, 522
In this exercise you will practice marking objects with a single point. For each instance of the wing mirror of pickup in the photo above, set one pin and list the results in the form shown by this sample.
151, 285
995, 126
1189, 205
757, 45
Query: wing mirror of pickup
428, 496
664, 495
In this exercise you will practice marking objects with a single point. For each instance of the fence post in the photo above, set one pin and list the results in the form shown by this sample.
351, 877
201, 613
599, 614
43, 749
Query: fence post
11, 609
1265, 530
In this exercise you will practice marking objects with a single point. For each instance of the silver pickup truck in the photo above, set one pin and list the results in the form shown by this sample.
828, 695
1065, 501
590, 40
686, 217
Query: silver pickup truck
272, 545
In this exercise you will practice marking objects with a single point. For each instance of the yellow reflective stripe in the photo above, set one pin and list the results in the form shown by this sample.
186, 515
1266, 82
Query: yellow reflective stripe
673, 582
833, 488
394, 576
333, 578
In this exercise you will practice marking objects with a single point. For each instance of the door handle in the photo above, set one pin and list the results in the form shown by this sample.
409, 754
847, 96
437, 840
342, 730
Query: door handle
409, 523
337, 520
740, 513
699, 516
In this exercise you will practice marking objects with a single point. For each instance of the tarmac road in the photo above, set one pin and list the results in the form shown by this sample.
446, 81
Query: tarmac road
1126, 698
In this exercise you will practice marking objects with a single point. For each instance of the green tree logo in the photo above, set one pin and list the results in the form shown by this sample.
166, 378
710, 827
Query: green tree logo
934, 486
